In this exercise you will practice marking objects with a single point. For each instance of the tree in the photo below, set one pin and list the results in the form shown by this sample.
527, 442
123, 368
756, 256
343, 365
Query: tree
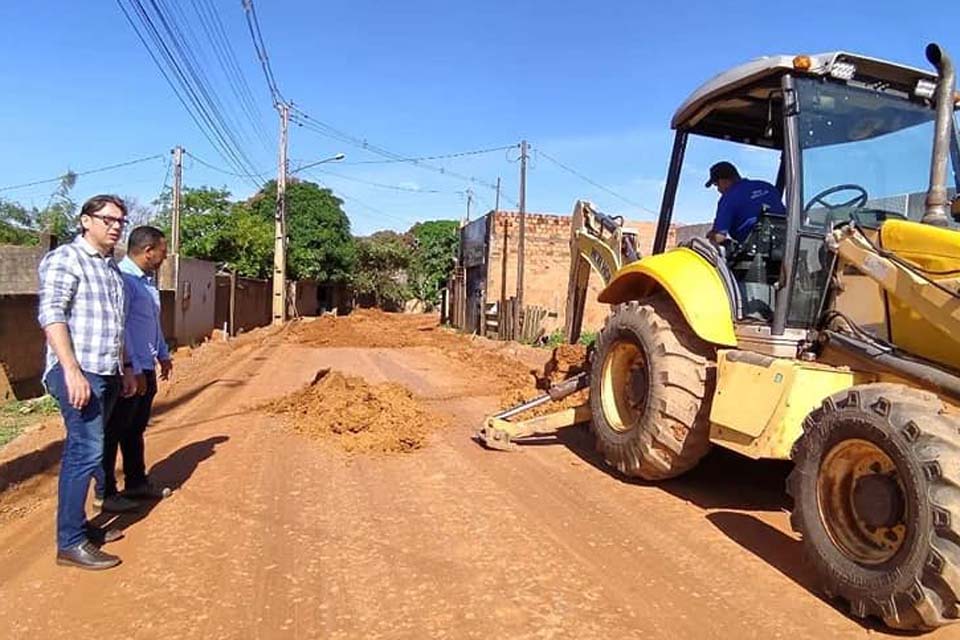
434, 250
214, 228
380, 275
320, 245
22, 225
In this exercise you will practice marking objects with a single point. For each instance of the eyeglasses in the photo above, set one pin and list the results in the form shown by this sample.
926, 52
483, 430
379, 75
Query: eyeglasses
110, 221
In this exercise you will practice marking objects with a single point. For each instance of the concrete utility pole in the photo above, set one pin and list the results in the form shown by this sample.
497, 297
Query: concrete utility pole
523, 230
280, 225
177, 187
469, 201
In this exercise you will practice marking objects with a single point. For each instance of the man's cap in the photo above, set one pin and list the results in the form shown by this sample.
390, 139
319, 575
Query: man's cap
722, 171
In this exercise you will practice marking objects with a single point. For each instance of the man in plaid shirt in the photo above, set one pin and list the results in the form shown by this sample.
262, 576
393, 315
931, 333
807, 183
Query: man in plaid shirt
81, 312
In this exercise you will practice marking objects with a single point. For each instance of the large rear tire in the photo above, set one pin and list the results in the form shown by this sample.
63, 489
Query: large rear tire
876, 489
650, 390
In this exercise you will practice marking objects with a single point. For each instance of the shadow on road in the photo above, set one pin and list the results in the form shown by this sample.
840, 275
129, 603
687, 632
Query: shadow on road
722, 480
162, 404
728, 483
173, 471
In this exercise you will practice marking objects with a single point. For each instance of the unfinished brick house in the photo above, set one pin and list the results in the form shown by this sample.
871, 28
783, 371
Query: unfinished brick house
546, 269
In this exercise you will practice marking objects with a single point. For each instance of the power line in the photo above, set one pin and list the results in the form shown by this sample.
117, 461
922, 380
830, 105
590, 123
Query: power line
393, 187
253, 25
226, 57
171, 53
445, 156
209, 165
83, 173
596, 184
303, 119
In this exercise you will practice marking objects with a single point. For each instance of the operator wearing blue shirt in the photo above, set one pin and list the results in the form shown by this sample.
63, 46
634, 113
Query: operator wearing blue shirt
741, 202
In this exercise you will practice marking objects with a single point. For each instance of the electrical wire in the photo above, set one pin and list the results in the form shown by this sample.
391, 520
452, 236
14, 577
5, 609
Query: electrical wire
590, 181
83, 173
253, 26
304, 120
209, 165
169, 48
460, 154
380, 185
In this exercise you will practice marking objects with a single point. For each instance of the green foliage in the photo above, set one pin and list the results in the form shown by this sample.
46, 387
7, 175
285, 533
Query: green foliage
22, 226
434, 250
382, 261
241, 234
320, 245
16, 415
555, 339
214, 228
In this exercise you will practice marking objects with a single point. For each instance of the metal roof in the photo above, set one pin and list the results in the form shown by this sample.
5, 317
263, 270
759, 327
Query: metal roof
774, 66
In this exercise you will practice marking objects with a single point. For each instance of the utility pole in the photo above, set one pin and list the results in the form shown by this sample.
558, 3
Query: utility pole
469, 201
523, 233
177, 187
280, 224
496, 206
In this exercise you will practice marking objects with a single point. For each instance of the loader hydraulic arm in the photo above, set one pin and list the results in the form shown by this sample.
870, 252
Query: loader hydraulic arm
936, 301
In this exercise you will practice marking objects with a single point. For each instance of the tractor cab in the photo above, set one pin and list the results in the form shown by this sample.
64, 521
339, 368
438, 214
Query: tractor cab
842, 137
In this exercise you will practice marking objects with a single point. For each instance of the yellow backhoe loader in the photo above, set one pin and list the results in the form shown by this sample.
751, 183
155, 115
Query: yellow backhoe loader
830, 336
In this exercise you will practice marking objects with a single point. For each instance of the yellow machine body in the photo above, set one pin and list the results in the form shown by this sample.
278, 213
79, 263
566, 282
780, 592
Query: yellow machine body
692, 283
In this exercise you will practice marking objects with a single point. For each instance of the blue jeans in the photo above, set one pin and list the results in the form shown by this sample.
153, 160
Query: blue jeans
83, 450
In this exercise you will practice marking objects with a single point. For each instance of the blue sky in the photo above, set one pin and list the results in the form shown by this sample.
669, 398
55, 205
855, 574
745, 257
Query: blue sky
592, 85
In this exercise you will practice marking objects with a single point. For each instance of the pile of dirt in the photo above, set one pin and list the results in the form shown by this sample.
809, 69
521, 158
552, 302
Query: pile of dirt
356, 416
370, 329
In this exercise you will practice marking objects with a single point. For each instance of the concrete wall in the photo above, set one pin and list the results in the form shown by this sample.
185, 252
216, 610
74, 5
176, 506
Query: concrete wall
547, 267
254, 305
194, 313
308, 303
22, 344
18, 269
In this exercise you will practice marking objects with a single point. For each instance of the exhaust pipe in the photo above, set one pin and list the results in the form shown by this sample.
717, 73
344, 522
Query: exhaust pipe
937, 206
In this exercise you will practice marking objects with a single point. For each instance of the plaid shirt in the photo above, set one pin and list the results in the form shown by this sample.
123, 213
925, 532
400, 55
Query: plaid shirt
84, 289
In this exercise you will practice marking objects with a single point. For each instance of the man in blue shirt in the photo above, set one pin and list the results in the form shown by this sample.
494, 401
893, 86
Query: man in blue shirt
741, 202
144, 347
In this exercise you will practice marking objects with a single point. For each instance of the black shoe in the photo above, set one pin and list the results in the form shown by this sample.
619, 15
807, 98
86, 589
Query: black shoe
146, 491
116, 503
86, 555
99, 536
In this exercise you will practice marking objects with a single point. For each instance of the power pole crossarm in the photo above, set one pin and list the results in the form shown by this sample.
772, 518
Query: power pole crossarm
280, 224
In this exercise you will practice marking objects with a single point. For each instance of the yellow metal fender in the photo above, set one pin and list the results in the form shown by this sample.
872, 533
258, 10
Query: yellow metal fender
691, 281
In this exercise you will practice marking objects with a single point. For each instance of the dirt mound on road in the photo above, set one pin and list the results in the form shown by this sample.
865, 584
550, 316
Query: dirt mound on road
356, 416
490, 370
368, 329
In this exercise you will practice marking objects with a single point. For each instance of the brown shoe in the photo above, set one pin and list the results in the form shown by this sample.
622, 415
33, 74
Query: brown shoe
86, 555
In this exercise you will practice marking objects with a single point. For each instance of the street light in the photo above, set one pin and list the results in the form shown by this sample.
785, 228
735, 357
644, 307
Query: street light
336, 158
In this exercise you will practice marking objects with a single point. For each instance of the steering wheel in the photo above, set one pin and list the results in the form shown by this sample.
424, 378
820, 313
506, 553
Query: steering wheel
858, 200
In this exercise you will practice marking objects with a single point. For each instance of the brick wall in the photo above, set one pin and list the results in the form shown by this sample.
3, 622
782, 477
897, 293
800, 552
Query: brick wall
22, 344
18, 269
547, 266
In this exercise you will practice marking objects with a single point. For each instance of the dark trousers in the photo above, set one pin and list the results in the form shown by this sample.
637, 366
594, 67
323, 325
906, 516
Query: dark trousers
82, 457
125, 431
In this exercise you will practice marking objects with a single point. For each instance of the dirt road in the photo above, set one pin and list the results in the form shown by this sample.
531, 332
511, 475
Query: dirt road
270, 534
